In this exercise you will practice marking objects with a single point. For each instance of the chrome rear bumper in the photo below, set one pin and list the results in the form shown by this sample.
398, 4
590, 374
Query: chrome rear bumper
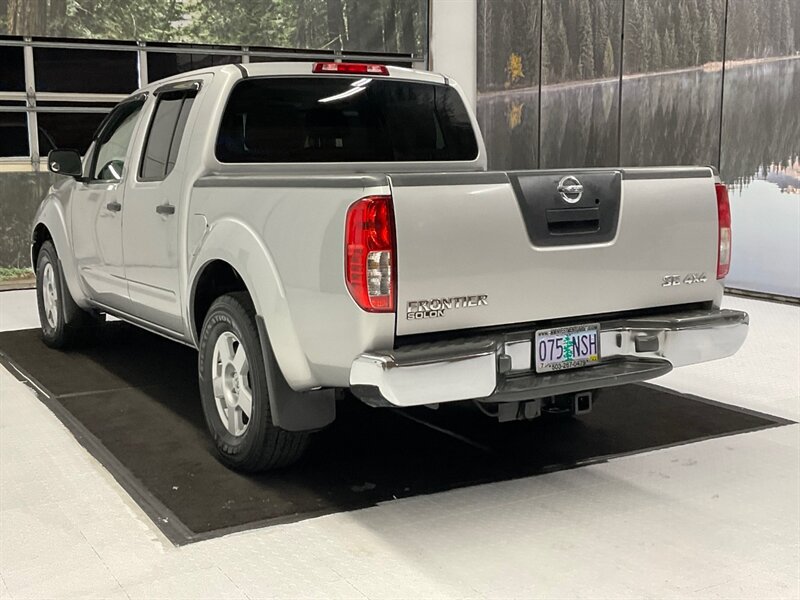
497, 368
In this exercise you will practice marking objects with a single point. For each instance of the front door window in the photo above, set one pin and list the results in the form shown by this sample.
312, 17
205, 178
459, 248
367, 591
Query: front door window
112, 145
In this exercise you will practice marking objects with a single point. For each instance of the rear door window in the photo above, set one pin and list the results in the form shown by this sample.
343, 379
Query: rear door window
165, 134
344, 119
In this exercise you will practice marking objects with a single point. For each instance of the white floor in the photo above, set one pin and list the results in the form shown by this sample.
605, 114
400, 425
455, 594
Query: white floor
715, 519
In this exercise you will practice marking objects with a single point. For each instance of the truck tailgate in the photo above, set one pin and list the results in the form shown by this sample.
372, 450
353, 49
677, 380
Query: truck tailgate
493, 248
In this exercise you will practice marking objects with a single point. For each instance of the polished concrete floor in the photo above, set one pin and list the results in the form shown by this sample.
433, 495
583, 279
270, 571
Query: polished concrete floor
713, 519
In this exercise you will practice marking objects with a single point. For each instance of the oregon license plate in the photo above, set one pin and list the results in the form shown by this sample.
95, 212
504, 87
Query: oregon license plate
567, 347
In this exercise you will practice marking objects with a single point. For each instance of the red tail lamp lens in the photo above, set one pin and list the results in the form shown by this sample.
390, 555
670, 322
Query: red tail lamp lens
724, 220
370, 253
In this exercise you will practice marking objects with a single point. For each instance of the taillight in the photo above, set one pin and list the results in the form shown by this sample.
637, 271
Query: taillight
724, 221
350, 68
369, 253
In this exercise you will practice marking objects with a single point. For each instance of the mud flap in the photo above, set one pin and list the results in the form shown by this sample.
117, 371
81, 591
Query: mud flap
72, 312
291, 410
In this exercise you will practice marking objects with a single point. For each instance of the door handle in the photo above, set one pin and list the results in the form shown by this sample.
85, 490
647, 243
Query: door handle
114, 206
165, 209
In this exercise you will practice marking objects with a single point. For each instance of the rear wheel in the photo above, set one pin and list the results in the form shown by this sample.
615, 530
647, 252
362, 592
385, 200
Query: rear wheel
234, 391
62, 321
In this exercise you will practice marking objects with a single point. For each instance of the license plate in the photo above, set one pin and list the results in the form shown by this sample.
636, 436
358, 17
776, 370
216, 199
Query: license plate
567, 347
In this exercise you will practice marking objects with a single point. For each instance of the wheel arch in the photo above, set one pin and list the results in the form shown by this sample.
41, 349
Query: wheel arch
39, 236
50, 224
290, 409
232, 250
215, 278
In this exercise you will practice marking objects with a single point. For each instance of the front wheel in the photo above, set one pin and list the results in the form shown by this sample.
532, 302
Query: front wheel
234, 391
62, 321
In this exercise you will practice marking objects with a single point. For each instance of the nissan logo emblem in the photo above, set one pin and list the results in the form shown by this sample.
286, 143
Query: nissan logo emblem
570, 189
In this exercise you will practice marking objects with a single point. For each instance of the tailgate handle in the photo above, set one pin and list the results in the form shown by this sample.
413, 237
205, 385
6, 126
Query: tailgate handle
573, 221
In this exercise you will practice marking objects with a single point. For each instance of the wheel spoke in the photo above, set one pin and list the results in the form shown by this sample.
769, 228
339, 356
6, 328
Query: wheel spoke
246, 401
226, 351
235, 424
230, 413
240, 360
219, 387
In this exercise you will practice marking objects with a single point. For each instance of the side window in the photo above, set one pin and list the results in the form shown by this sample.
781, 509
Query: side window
112, 145
165, 134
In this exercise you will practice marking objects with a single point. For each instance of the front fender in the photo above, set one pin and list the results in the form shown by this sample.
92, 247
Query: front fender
233, 241
52, 215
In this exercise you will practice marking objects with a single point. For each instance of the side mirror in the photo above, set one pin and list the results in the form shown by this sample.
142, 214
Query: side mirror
65, 162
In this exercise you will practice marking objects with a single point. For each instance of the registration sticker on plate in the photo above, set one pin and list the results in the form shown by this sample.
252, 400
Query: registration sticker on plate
567, 347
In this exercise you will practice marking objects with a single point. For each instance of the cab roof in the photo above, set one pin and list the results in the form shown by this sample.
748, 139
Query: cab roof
284, 68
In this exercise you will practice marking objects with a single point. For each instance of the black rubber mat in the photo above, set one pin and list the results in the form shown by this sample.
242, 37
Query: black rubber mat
131, 398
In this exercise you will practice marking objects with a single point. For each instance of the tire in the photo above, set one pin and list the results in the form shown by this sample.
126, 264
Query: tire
231, 383
63, 323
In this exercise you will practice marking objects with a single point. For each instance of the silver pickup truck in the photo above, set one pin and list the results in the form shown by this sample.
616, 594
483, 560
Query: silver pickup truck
313, 228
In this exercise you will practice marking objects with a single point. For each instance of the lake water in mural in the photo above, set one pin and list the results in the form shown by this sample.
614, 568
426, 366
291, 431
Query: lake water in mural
760, 149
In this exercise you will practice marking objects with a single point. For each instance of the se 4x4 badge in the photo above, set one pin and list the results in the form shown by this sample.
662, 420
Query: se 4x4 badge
689, 279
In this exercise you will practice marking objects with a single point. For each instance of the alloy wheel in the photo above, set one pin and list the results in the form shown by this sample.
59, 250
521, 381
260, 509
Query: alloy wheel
50, 295
231, 381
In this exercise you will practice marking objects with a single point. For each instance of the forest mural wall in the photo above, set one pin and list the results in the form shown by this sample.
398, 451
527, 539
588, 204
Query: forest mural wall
356, 25
713, 82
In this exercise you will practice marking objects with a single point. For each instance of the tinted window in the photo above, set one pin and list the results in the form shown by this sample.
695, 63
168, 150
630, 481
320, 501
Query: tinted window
161, 64
12, 75
179, 127
164, 136
70, 130
13, 134
90, 71
343, 119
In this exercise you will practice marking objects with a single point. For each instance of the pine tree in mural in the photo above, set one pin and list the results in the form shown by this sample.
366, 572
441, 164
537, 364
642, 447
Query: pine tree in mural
364, 25
651, 47
669, 50
608, 60
708, 38
683, 34
586, 47
762, 29
555, 56
25, 16
784, 35
599, 34
634, 37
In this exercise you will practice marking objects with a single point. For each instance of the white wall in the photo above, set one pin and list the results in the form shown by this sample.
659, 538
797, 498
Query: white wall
453, 43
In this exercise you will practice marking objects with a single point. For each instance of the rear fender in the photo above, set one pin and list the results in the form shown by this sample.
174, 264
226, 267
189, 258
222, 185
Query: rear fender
236, 243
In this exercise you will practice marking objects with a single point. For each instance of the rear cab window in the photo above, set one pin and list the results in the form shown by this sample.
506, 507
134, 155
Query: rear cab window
344, 119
